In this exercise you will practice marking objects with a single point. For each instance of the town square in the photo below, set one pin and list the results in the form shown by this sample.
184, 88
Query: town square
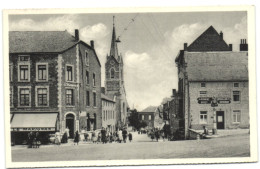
129, 86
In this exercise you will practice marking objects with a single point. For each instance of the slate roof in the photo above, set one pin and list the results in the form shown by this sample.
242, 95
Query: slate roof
210, 40
149, 109
217, 66
104, 97
40, 41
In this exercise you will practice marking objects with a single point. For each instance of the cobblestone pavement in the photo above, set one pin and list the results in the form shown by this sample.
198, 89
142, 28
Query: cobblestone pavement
141, 148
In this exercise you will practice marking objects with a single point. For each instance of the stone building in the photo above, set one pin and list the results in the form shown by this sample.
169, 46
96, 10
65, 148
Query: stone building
158, 117
147, 115
108, 113
213, 83
55, 82
114, 81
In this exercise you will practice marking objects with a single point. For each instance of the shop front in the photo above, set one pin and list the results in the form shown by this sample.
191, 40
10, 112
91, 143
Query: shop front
24, 123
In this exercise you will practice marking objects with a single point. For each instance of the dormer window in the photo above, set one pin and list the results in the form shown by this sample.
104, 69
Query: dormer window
24, 58
236, 84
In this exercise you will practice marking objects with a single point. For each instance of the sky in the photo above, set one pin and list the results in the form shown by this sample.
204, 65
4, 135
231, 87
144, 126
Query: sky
149, 45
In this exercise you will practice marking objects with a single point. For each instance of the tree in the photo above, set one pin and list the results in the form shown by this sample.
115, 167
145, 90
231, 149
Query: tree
134, 120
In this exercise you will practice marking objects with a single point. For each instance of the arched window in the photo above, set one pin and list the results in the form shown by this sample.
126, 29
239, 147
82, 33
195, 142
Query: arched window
112, 73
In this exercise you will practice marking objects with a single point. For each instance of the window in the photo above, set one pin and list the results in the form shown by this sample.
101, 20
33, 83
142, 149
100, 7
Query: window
94, 79
87, 77
24, 97
112, 73
87, 98
236, 84
236, 96
87, 58
69, 97
142, 117
103, 114
150, 117
24, 58
42, 72
236, 116
94, 99
203, 117
69, 73
42, 96
203, 84
24, 72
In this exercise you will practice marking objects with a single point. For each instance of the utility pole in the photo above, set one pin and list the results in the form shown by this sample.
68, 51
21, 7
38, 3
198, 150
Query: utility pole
214, 103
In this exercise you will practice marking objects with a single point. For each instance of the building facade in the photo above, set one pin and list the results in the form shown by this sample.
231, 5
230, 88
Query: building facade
108, 113
55, 83
213, 83
148, 115
114, 81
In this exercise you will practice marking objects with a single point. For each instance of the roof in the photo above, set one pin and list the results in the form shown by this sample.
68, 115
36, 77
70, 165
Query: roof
150, 109
217, 66
104, 97
40, 41
209, 40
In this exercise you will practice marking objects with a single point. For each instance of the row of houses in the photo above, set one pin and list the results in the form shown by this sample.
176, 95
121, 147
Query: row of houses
212, 86
55, 83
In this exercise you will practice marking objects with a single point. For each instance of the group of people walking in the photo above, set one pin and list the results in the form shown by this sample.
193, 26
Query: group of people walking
33, 140
108, 137
156, 134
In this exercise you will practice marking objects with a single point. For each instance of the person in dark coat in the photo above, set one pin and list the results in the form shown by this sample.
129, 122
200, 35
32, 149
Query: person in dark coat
76, 139
64, 138
124, 133
30, 139
157, 135
103, 135
130, 137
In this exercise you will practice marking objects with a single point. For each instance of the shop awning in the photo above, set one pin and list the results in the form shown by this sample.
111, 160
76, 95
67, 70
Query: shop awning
34, 122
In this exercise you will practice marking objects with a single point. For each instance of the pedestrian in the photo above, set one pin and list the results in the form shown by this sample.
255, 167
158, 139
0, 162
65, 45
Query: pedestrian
76, 139
130, 137
120, 136
86, 136
37, 138
99, 137
30, 139
152, 135
162, 135
124, 135
57, 138
157, 134
103, 135
94, 137
67, 130
64, 138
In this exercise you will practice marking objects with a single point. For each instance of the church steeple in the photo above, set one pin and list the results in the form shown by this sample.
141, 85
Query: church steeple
113, 49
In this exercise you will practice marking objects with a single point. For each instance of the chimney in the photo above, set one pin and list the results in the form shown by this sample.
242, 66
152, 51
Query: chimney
185, 46
92, 44
230, 47
221, 35
243, 45
173, 92
76, 34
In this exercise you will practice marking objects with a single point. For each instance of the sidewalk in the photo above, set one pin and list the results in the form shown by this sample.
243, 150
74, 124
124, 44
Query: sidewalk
226, 132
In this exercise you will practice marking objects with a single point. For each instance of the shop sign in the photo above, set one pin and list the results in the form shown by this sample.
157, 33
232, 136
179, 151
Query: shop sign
204, 100
34, 129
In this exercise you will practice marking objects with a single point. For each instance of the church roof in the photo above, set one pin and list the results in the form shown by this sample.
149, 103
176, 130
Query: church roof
210, 40
113, 49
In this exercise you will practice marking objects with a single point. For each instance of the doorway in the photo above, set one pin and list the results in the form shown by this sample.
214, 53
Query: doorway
70, 124
220, 120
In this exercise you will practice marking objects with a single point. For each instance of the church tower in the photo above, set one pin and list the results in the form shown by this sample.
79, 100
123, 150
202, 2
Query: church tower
114, 82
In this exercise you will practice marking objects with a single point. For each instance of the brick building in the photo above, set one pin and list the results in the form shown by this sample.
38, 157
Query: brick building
210, 72
114, 83
108, 113
55, 82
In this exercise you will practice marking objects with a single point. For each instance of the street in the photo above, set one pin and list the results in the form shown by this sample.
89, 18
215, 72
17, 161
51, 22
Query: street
141, 148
